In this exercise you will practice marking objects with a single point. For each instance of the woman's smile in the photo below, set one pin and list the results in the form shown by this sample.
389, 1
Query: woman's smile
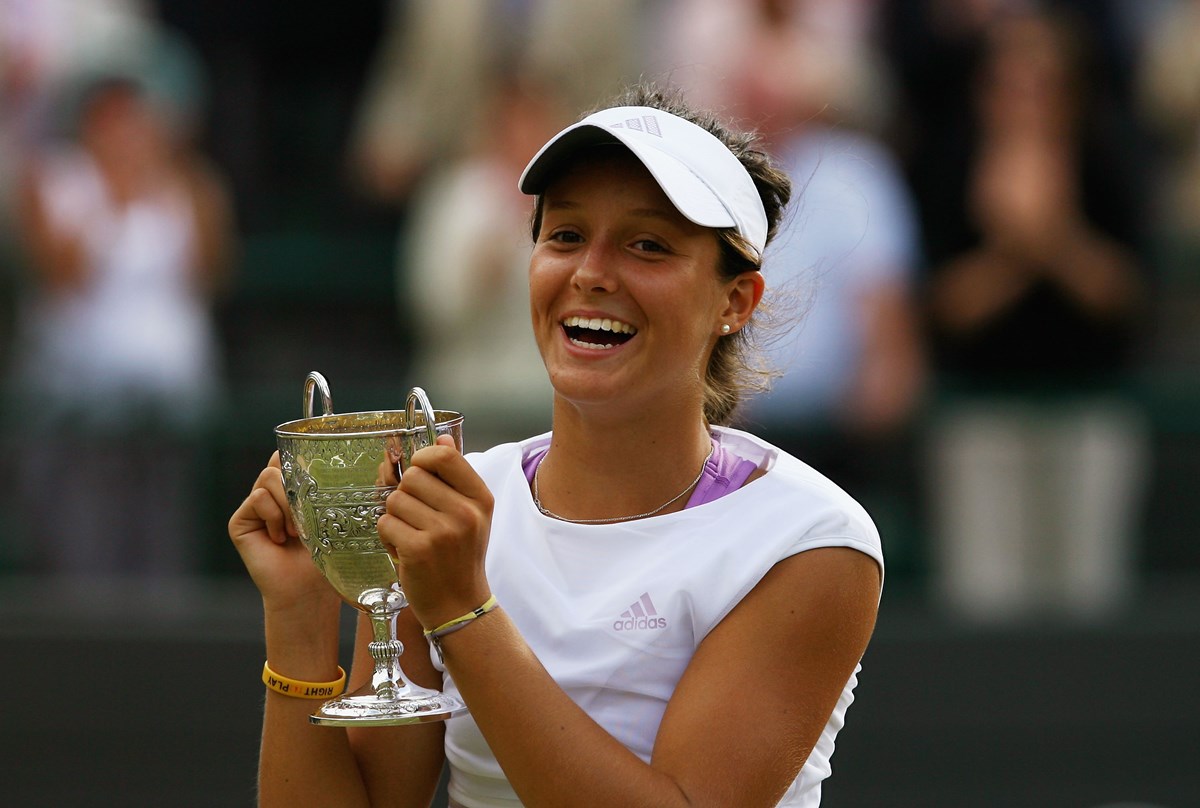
597, 333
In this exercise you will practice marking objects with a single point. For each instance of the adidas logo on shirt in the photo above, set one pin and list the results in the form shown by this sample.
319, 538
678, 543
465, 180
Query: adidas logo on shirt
641, 615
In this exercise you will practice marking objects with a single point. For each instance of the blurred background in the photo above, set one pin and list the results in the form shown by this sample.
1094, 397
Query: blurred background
988, 289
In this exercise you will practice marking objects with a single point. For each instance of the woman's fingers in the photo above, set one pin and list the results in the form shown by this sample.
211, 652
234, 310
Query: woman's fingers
446, 463
440, 501
273, 482
265, 508
441, 494
437, 524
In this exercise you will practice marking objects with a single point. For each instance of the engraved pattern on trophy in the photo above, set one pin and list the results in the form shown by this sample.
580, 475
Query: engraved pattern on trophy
300, 489
336, 514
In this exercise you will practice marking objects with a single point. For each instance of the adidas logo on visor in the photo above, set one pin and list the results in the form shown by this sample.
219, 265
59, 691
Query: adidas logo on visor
647, 124
640, 616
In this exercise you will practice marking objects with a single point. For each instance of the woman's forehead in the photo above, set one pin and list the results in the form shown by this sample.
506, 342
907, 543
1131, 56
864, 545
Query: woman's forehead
605, 171
607, 155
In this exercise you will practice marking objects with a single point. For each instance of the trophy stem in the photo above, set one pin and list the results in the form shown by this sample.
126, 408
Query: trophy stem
388, 679
390, 699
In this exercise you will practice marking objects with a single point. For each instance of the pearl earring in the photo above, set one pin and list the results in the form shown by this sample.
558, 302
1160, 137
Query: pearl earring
725, 328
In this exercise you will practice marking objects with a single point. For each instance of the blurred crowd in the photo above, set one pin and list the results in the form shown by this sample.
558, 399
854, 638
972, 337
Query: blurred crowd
117, 235
997, 213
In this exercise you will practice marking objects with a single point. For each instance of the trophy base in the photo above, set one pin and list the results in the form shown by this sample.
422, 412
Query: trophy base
365, 709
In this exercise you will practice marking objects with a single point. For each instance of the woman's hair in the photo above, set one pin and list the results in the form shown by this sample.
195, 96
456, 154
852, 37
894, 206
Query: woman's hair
736, 367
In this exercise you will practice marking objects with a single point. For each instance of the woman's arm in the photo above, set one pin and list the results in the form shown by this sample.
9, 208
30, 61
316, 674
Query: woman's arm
747, 711
975, 289
55, 256
301, 764
774, 669
215, 232
400, 765
891, 375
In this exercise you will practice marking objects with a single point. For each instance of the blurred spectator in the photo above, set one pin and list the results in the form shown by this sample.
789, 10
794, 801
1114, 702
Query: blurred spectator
429, 87
43, 43
127, 231
936, 46
1169, 86
747, 59
1168, 96
465, 285
843, 268
1038, 461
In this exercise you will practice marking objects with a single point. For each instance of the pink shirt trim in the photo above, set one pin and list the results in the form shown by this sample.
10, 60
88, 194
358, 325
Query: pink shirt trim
724, 471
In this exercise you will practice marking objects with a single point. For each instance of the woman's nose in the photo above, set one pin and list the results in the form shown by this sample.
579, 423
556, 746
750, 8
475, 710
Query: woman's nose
596, 270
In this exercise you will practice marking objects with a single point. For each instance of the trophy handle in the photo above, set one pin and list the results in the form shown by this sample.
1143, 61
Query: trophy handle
415, 396
315, 383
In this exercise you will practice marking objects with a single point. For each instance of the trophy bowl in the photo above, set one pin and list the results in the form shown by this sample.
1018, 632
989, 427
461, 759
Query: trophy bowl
338, 470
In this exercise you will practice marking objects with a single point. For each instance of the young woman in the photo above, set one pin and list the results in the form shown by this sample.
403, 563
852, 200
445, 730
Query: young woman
682, 607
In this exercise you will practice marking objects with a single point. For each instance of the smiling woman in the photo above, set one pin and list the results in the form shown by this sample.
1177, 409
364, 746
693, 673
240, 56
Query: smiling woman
698, 153
611, 247
656, 571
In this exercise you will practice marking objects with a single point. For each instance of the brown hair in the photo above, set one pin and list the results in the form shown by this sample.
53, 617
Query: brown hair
736, 367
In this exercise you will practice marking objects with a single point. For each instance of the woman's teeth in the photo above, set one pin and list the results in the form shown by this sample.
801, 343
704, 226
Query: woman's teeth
592, 332
600, 324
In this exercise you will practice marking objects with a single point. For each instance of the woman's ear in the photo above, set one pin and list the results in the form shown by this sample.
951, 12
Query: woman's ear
743, 294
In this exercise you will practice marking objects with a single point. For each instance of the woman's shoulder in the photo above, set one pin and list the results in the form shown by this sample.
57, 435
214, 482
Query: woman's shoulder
794, 494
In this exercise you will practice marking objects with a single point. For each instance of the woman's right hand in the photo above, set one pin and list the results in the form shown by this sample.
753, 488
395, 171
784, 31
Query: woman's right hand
266, 538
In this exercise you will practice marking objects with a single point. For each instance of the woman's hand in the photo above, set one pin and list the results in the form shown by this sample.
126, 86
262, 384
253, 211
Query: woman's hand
266, 538
437, 525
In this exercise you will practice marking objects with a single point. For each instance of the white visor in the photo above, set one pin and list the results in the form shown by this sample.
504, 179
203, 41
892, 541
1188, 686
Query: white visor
696, 171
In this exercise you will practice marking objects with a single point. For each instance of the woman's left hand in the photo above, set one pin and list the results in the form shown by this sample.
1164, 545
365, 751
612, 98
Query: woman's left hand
437, 525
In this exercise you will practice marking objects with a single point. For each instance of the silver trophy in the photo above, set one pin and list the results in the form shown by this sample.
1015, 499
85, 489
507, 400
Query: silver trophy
338, 471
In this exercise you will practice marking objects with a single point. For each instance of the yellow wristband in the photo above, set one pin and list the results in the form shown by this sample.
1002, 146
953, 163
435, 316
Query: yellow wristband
303, 690
444, 628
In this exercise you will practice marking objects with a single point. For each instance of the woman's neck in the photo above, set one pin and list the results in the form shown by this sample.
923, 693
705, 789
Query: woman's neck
606, 468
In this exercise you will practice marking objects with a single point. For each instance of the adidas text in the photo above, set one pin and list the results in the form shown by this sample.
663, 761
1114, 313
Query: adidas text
639, 623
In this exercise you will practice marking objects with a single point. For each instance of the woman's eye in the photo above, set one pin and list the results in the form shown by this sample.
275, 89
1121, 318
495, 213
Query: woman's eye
648, 245
566, 237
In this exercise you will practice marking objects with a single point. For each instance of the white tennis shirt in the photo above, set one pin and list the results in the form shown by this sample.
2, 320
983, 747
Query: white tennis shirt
615, 612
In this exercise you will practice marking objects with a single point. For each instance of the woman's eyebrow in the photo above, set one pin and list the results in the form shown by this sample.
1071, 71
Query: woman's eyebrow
655, 213
662, 214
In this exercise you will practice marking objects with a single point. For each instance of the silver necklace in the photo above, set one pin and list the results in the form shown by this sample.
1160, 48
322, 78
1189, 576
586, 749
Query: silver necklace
553, 515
